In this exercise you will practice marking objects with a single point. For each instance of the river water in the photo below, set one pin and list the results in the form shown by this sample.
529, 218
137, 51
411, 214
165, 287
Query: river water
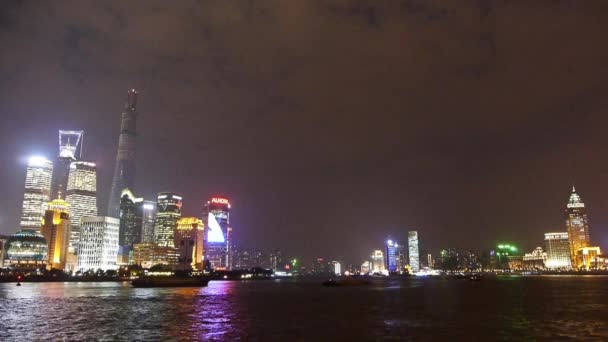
505, 308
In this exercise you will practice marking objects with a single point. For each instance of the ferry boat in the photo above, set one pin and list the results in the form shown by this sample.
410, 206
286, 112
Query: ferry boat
170, 279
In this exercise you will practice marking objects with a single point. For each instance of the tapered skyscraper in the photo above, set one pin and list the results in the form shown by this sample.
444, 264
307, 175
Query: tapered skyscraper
124, 173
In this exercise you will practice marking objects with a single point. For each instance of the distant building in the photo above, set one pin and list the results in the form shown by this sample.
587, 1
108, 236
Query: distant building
535, 260
124, 171
149, 216
365, 267
430, 261
81, 194
337, 267
147, 255
131, 220
391, 255
578, 227
37, 193
507, 257
56, 231
189, 236
276, 260
378, 265
70, 149
26, 249
98, 247
3, 239
588, 258
412, 242
557, 246
216, 217
168, 212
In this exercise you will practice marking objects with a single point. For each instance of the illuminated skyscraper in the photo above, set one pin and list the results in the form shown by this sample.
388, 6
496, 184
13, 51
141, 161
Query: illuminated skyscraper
391, 255
378, 265
124, 172
557, 246
412, 243
577, 225
168, 211
131, 219
189, 237
37, 193
337, 267
81, 194
98, 247
149, 215
70, 149
56, 231
216, 217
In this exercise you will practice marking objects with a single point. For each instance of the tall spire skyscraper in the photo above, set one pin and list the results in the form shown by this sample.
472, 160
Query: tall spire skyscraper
70, 150
124, 173
577, 225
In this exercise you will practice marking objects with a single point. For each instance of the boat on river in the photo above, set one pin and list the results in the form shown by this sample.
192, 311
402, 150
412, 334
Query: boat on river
170, 279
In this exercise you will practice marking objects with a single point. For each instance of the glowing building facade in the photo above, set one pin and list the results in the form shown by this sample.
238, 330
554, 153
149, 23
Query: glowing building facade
81, 194
377, 264
557, 247
56, 231
148, 217
588, 258
124, 172
337, 267
414, 256
216, 217
98, 248
131, 219
168, 212
147, 255
189, 237
70, 150
391, 255
578, 227
26, 250
37, 193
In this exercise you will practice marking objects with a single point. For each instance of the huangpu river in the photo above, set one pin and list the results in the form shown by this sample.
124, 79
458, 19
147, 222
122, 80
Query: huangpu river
502, 308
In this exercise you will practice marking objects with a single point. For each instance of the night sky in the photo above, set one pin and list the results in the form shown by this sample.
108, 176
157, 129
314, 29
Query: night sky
329, 124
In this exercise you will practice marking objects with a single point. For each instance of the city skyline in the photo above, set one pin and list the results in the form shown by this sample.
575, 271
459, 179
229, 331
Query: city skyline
243, 121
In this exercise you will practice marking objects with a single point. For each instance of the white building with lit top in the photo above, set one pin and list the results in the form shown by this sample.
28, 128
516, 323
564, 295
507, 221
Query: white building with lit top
38, 178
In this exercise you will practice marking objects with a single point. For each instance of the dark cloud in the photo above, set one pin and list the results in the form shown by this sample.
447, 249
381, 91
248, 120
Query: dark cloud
331, 124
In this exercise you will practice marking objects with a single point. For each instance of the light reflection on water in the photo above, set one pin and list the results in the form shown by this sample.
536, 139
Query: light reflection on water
509, 308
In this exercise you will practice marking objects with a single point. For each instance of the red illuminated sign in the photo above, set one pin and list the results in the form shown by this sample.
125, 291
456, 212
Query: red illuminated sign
219, 200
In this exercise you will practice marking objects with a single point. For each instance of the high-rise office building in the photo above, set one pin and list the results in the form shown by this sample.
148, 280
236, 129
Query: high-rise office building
557, 246
124, 172
391, 255
216, 217
168, 212
81, 194
70, 150
131, 219
98, 248
37, 193
337, 267
149, 215
577, 225
276, 260
412, 243
189, 236
56, 231
377, 264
